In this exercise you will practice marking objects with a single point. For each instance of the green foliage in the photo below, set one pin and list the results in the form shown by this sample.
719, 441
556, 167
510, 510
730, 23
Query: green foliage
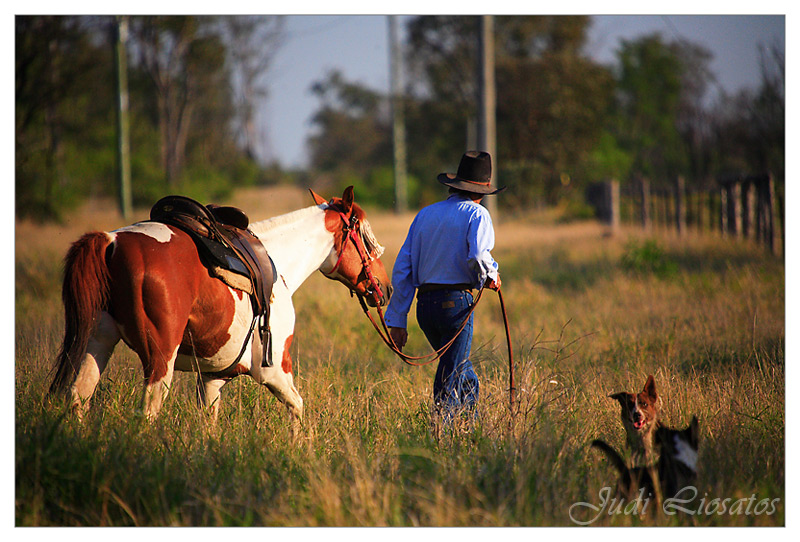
551, 101
650, 90
377, 188
351, 139
608, 160
575, 209
524, 182
550, 113
60, 75
181, 108
563, 121
648, 257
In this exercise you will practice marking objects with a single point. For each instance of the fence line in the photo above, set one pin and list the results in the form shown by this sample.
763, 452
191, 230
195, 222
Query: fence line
738, 207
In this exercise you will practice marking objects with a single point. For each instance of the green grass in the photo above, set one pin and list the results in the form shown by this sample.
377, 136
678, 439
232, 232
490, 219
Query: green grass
585, 323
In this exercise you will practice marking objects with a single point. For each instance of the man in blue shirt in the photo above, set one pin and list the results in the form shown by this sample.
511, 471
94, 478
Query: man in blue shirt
444, 257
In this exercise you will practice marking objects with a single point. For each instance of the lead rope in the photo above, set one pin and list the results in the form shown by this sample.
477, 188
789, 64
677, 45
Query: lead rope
350, 228
512, 388
410, 360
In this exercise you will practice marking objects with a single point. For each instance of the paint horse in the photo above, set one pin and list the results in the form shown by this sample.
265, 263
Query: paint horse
145, 284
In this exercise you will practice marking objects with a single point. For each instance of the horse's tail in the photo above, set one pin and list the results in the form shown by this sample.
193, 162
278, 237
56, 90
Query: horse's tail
85, 293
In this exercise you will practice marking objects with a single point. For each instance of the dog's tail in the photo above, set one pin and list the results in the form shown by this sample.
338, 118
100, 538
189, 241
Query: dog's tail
613, 456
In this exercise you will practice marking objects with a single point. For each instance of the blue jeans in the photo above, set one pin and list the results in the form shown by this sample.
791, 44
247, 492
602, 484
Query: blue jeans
440, 314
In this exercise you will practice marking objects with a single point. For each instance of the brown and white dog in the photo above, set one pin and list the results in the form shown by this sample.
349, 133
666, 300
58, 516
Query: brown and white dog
640, 418
676, 468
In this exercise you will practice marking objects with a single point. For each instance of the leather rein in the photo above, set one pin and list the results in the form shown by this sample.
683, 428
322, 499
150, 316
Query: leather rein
351, 232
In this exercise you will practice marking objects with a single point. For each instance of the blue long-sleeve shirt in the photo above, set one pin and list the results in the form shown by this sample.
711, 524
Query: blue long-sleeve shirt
448, 242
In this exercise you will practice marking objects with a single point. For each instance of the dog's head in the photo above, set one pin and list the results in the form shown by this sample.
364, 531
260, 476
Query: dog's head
639, 410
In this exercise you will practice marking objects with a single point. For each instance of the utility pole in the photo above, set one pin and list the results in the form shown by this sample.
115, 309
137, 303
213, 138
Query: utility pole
123, 123
487, 134
398, 121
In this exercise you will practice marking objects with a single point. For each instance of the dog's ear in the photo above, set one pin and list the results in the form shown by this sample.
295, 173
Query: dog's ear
650, 387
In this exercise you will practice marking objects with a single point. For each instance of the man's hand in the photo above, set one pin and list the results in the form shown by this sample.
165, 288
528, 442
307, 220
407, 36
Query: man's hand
399, 335
493, 284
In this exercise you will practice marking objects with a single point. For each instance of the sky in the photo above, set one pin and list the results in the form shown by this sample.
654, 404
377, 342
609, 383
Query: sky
357, 45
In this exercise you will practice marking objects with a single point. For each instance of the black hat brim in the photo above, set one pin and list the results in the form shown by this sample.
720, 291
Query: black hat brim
454, 181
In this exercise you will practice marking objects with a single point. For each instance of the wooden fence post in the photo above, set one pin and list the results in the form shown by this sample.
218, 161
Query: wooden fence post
761, 227
771, 207
613, 202
735, 208
680, 205
655, 210
781, 212
644, 184
711, 207
723, 211
748, 208
702, 208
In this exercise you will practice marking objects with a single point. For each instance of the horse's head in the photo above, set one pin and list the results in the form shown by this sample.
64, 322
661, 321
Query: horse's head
355, 258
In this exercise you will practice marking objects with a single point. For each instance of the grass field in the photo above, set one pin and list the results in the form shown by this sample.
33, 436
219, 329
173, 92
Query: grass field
590, 313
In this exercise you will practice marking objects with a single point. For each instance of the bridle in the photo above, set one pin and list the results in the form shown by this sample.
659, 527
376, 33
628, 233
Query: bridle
351, 231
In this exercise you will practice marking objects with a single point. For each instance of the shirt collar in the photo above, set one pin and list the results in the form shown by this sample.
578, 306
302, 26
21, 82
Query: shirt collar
459, 197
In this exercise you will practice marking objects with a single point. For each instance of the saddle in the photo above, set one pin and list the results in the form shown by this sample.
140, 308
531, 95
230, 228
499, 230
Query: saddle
231, 253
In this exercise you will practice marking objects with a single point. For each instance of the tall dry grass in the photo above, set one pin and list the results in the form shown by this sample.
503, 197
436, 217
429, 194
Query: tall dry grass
590, 313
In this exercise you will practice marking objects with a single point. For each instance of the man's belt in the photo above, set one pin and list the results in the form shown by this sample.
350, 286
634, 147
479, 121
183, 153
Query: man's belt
425, 288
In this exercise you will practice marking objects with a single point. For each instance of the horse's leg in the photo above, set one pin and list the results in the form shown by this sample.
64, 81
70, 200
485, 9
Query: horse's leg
158, 279
282, 386
156, 338
208, 396
280, 381
157, 384
278, 378
101, 345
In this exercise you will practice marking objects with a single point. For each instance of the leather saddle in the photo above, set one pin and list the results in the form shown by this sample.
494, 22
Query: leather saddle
229, 250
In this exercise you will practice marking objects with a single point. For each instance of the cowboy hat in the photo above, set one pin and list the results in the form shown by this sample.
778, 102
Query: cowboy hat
474, 174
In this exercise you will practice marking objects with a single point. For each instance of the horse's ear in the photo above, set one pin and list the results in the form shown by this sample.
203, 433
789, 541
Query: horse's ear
319, 200
347, 199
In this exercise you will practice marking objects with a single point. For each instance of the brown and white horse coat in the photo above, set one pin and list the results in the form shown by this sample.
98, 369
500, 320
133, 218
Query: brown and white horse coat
145, 284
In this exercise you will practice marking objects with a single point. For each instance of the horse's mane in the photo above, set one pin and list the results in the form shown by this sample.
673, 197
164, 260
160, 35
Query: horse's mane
265, 226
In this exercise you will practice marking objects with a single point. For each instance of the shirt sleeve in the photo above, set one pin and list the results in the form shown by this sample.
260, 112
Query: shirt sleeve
403, 284
480, 243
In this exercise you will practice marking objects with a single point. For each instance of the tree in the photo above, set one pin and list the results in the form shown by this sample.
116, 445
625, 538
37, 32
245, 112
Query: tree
252, 42
185, 61
692, 120
351, 128
61, 63
550, 99
552, 102
649, 92
749, 127
351, 142
441, 57
769, 112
